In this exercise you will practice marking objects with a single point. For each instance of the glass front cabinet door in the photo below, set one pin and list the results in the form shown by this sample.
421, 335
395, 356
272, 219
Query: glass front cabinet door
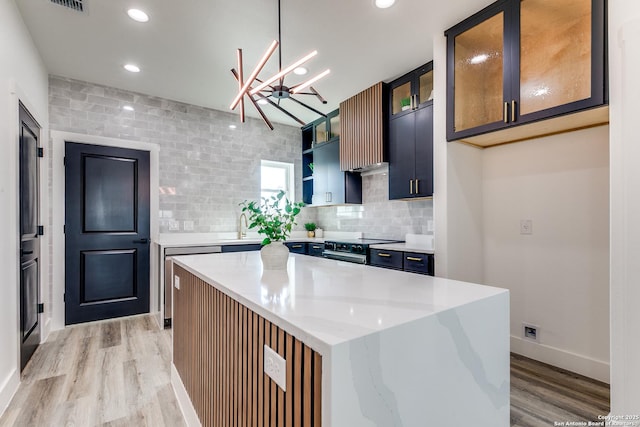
412, 91
519, 61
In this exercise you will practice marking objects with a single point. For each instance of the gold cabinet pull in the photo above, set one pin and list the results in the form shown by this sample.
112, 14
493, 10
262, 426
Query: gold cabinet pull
296, 246
410, 186
384, 255
410, 258
513, 111
417, 188
506, 112
317, 247
415, 102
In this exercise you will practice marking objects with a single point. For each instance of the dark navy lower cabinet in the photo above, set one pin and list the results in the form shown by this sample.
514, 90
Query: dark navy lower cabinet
412, 262
418, 263
297, 247
315, 249
241, 248
387, 259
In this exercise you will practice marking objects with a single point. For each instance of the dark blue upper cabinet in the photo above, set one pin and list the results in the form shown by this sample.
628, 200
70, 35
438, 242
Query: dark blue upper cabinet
323, 182
521, 61
411, 135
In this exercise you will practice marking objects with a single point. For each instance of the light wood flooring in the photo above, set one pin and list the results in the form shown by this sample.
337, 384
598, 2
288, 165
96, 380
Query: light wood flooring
117, 373
110, 373
542, 394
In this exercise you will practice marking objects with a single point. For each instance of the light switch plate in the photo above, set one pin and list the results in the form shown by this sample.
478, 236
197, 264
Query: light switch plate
176, 282
526, 226
276, 367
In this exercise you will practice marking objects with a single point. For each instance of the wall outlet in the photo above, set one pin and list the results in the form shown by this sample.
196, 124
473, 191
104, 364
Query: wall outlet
531, 332
526, 226
174, 225
429, 225
188, 226
176, 282
276, 367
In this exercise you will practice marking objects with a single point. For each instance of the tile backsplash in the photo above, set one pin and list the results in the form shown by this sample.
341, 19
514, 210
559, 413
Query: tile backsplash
206, 168
378, 216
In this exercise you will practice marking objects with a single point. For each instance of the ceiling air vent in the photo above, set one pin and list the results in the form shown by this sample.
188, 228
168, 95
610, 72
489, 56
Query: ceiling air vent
71, 4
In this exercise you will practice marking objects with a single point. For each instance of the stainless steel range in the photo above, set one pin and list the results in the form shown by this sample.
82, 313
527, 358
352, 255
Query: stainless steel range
352, 250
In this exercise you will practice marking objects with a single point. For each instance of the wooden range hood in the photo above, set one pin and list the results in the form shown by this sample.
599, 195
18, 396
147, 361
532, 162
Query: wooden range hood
363, 133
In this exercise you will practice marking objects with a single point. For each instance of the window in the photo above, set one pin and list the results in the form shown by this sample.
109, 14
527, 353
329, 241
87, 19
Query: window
276, 176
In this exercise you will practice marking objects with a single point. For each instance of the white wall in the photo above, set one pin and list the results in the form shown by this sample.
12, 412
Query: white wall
624, 69
559, 275
477, 211
21, 71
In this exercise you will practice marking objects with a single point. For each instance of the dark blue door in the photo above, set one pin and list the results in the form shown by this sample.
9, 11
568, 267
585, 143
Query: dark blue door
106, 232
29, 240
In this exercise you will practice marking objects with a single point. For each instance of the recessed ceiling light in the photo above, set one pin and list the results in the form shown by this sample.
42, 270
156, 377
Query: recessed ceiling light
128, 108
232, 126
132, 68
262, 101
383, 4
479, 59
301, 71
137, 15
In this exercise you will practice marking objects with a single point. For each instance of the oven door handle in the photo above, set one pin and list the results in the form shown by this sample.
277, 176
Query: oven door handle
345, 256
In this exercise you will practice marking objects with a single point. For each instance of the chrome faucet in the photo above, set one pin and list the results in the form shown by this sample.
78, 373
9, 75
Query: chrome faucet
242, 234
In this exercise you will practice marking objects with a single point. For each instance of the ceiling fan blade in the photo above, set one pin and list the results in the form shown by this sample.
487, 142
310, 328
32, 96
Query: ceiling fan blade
254, 74
240, 84
315, 92
264, 117
308, 107
311, 81
284, 111
284, 72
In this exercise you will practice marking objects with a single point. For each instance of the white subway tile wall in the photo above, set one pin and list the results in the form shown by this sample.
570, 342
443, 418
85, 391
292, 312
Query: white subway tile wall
206, 168
378, 216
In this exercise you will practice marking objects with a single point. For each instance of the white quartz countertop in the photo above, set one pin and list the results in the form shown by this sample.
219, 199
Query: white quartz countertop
326, 302
404, 247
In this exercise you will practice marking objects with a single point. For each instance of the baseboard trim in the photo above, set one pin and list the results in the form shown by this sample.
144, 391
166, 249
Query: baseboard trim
573, 362
188, 411
8, 389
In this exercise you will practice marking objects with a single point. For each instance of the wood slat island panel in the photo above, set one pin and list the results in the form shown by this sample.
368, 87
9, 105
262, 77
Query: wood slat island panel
218, 347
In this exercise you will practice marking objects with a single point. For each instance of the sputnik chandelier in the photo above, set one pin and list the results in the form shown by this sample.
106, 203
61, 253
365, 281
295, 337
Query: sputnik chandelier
273, 90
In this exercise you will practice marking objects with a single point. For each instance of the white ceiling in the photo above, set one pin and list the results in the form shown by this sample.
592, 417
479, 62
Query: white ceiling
188, 47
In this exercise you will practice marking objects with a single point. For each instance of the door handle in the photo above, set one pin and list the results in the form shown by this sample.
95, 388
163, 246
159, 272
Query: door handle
417, 189
384, 255
410, 258
410, 186
506, 112
513, 111
141, 241
25, 252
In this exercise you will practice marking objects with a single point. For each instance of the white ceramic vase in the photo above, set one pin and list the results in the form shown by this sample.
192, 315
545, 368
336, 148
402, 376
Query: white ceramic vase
274, 256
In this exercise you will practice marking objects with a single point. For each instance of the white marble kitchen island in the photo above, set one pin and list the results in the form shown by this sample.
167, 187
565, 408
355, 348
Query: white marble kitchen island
397, 349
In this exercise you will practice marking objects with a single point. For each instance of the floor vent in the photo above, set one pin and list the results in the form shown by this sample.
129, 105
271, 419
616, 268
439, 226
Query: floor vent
76, 5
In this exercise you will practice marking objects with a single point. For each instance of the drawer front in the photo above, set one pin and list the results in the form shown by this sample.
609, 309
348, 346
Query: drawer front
418, 263
384, 258
297, 247
241, 248
315, 249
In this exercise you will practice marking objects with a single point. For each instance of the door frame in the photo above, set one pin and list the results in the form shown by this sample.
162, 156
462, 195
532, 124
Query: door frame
58, 140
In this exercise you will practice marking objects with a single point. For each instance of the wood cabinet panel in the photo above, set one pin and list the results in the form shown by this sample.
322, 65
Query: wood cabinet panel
218, 347
362, 129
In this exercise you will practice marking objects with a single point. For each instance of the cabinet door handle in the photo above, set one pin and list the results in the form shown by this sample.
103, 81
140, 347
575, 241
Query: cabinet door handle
513, 111
415, 101
317, 247
384, 255
296, 246
410, 186
417, 188
506, 112
410, 258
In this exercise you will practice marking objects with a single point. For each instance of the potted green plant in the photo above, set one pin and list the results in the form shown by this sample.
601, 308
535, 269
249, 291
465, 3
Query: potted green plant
405, 103
274, 217
311, 229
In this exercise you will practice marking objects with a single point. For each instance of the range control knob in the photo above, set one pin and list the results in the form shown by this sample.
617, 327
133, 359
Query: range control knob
358, 249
